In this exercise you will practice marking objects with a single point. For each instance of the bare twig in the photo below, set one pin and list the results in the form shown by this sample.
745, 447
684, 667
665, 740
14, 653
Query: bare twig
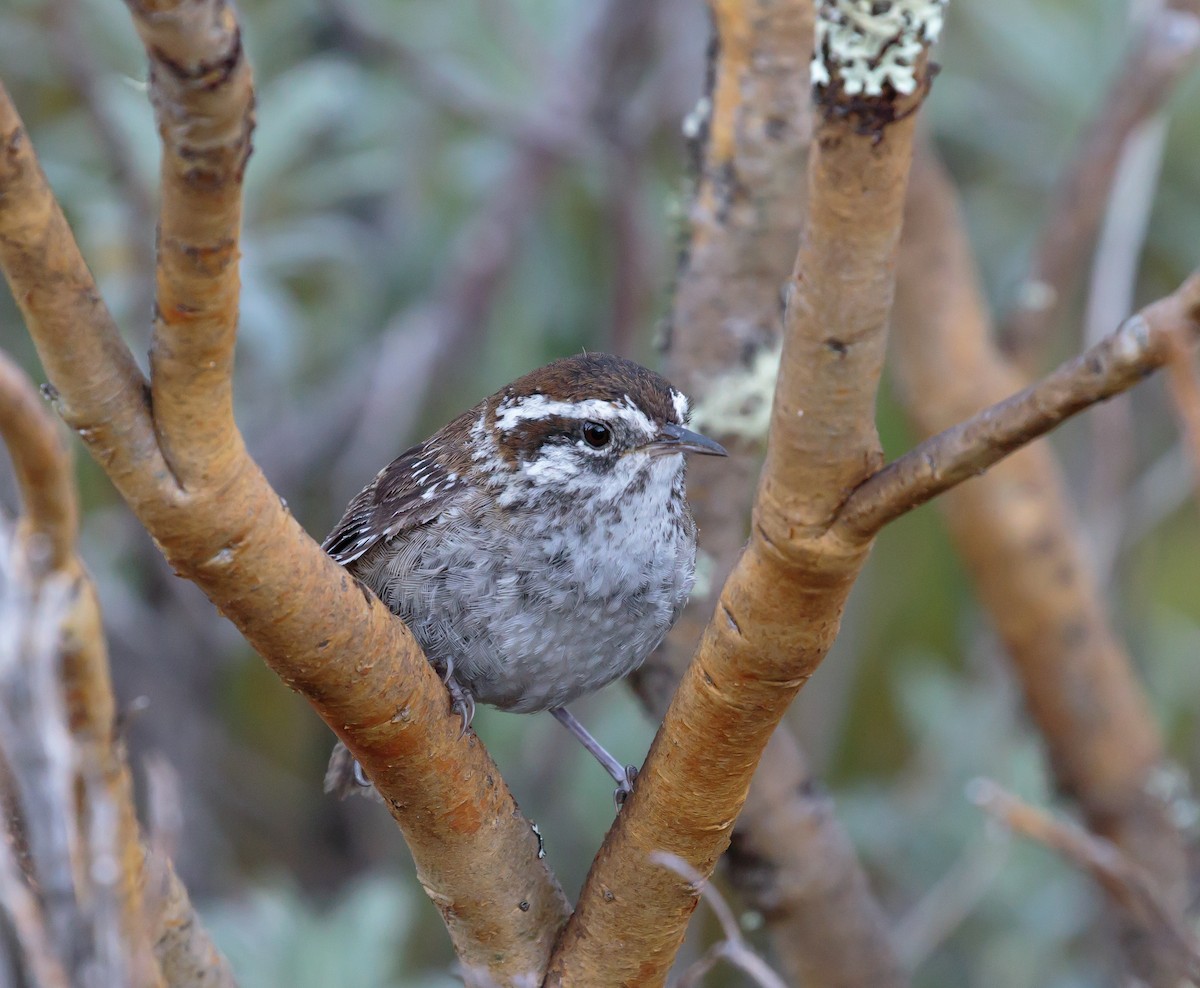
1164, 50
34, 946
1142, 344
1128, 885
188, 957
733, 948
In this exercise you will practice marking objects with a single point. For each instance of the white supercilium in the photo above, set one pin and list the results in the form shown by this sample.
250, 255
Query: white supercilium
510, 413
868, 44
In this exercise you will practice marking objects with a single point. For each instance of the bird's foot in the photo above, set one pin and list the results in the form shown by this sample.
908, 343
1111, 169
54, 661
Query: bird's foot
461, 702
624, 786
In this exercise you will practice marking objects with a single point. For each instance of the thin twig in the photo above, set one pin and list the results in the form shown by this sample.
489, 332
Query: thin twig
1142, 344
733, 948
1122, 879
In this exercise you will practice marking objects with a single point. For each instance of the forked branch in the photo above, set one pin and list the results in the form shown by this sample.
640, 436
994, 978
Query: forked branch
779, 610
184, 471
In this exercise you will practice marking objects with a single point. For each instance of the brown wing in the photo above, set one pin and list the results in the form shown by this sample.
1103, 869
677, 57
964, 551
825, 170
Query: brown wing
409, 491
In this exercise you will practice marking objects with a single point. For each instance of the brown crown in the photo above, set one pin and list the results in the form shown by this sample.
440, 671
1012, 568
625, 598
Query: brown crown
596, 375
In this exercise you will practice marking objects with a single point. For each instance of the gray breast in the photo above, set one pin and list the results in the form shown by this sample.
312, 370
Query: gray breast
534, 615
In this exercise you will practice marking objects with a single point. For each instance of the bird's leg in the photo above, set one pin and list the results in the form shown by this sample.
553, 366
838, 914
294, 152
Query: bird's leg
623, 775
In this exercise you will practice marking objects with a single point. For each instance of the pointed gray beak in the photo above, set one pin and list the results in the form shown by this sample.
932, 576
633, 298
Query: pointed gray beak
677, 439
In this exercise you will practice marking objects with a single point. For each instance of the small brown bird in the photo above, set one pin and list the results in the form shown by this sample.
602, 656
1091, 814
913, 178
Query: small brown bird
540, 545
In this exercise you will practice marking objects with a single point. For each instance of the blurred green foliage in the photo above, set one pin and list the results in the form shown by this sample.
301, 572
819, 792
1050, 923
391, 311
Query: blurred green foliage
363, 180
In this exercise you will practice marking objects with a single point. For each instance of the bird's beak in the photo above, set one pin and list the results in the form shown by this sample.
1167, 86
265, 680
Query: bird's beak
677, 439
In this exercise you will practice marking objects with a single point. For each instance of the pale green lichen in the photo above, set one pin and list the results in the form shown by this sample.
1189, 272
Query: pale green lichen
706, 568
737, 403
872, 44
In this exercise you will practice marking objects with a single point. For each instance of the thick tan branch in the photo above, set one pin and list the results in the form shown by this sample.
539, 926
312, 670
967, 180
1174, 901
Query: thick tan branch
778, 613
1141, 345
790, 858
1161, 54
203, 98
108, 402
228, 531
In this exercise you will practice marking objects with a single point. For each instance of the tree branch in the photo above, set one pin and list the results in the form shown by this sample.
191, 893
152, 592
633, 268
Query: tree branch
221, 525
49, 514
1184, 385
789, 859
78, 664
779, 610
203, 98
1141, 345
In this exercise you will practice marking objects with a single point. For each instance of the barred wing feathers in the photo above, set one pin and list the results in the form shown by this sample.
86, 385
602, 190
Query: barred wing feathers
408, 492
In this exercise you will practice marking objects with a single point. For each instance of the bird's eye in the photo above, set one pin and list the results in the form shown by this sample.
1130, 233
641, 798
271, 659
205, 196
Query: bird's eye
596, 435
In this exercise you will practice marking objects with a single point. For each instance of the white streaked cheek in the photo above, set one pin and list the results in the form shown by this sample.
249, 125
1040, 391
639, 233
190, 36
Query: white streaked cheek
554, 465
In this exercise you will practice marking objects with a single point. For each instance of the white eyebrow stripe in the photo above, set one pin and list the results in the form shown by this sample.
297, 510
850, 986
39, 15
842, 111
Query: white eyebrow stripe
679, 400
510, 413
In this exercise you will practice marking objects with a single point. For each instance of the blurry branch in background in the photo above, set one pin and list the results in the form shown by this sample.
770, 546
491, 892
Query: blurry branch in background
1112, 284
180, 464
1015, 527
1185, 393
733, 948
778, 613
78, 911
466, 101
1127, 884
75, 61
422, 345
948, 903
1162, 52
789, 858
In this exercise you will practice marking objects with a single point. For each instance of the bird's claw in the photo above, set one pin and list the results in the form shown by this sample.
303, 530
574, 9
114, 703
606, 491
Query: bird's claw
625, 786
461, 702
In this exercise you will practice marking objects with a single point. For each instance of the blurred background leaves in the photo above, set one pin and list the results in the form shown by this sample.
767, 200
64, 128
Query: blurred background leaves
436, 204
